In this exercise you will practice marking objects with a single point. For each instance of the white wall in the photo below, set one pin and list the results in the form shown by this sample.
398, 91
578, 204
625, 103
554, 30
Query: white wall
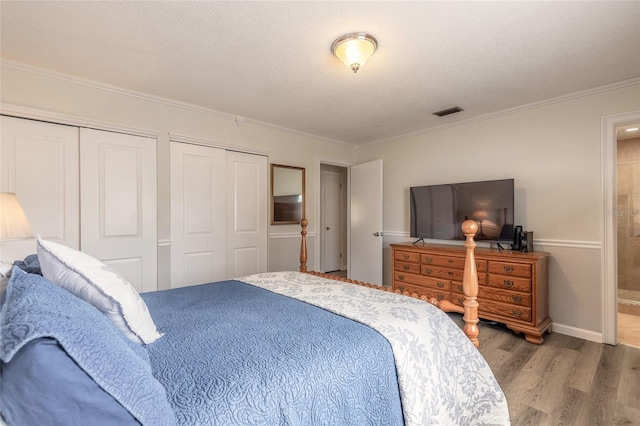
553, 150
65, 96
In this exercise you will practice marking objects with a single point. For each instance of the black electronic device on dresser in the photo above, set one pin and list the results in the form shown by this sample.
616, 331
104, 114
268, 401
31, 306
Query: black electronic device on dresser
522, 240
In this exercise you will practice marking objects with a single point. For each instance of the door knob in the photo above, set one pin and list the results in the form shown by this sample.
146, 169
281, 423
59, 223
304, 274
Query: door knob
328, 228
378, 234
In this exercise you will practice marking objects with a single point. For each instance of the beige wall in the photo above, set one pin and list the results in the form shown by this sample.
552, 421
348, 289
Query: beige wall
553, 151
628, 214
28, 88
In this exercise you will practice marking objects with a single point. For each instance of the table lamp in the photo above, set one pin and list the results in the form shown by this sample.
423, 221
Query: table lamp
13, 225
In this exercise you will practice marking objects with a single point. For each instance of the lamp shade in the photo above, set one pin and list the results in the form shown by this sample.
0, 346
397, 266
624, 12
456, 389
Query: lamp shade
13, 222
354, 49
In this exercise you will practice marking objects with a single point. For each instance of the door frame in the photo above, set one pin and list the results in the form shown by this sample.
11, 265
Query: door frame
331, 162
609, 248
342, 226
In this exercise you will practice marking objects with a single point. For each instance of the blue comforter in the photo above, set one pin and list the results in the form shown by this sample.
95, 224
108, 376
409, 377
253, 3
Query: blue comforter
233, 353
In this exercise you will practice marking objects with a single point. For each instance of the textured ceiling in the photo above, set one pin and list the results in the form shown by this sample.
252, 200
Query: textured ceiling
270, 61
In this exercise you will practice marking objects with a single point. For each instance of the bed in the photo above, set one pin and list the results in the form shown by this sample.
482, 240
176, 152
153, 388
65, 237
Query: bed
79, 346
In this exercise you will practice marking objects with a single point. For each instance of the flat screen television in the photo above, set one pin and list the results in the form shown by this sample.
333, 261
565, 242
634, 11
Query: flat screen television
437, 211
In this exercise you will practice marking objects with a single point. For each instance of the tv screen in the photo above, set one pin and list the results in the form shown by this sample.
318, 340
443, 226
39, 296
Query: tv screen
437, 211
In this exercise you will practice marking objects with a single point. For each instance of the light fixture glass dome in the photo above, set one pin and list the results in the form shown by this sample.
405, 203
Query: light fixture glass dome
354, 49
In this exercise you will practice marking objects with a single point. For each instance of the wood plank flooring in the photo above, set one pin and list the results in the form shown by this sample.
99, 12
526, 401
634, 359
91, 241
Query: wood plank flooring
565, 381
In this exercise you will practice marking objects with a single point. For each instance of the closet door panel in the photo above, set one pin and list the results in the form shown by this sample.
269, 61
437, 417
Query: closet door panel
198, 224
118, 204
39, 163
246, 214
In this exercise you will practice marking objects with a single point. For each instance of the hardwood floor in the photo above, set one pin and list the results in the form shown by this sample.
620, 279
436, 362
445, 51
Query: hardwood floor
565, 381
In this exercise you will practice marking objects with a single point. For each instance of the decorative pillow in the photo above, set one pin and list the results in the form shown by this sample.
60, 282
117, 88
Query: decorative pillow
100, 285
30, 264
64, 362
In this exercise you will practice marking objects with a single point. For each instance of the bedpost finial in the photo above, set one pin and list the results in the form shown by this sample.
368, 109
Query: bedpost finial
469, 227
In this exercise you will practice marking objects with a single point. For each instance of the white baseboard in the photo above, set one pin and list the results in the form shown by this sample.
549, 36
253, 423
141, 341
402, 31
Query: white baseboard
577, 332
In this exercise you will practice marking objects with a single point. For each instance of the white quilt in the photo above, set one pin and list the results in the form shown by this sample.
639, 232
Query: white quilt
443, 379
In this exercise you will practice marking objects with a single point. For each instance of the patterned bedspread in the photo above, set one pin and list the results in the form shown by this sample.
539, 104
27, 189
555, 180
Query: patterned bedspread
237, 354
443, 379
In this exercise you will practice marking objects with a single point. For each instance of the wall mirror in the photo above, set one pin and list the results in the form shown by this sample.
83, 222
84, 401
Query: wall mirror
287, 194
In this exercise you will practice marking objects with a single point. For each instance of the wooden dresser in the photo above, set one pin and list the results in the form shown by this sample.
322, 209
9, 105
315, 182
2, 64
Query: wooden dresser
512, 286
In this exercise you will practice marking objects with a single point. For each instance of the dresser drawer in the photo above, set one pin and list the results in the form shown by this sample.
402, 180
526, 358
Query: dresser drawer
448, 262
505, 296
494, 294
422, 291
513, 312
436, 271
413, 268
457, 285
438, 284
402, 277
509, 283
511, 269
407, 256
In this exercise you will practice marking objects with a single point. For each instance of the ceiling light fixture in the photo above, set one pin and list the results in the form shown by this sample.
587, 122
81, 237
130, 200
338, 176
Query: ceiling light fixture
354, 49
632, 129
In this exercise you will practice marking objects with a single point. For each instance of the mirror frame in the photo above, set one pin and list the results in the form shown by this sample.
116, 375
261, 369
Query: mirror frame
273, 186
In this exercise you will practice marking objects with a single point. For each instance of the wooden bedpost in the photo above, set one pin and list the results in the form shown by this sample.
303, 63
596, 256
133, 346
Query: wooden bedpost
303, 245
470, 283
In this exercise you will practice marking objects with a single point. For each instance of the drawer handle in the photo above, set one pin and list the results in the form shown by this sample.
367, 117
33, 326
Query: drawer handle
428, 271
428, 260
450, 260
401, 277
461, 300
460, 287
401, 288
406, 256
440, 284
406, 267
508, 283
439, 296
516, 313
516, 299
508, 268
450, 273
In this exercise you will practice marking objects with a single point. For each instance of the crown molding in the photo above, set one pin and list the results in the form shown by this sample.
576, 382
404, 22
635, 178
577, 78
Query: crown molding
240, 120
175, 137
237, 119
72, 120
533, 105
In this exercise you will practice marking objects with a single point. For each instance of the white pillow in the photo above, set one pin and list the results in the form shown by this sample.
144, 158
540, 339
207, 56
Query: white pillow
100, 285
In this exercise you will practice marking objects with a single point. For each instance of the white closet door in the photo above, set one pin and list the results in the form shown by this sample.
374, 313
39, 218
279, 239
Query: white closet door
118, 204
39, 162
246, 214
197, 214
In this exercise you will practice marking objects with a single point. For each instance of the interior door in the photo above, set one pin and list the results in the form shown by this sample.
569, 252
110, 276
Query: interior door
118, 204
39, 163
331, 205
365, 256
198, 214
246, 204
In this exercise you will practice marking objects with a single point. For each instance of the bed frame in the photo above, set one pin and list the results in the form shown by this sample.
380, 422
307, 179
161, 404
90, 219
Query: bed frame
469, 281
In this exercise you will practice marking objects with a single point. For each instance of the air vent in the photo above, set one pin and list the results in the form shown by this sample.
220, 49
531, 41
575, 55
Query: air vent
448, 111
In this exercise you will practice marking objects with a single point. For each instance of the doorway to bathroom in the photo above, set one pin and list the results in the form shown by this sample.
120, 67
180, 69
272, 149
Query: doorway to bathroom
628, 233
